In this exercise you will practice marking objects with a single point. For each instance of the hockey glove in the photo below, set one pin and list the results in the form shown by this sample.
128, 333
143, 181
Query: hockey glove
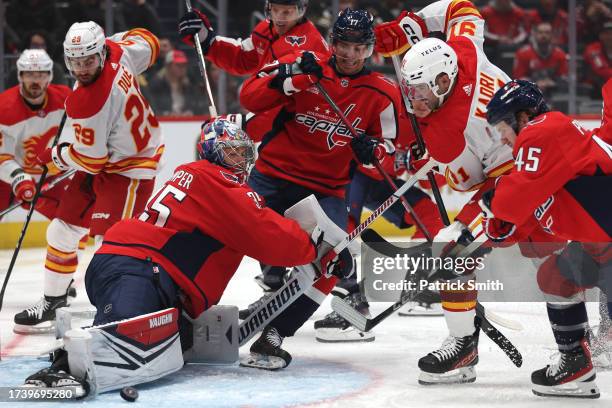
23, 185
51, 158
328, 263
397, 36
196, 22
367, 149
497, 230
291, 78
309, 65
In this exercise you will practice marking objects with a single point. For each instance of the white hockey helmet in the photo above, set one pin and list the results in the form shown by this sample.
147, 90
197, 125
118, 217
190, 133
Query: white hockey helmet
82, 40
35, 60
423, 63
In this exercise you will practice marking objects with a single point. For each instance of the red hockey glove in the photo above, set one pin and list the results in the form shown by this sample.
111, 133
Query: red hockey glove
397, 36
196, 22
52, 159
23, 185
497, 230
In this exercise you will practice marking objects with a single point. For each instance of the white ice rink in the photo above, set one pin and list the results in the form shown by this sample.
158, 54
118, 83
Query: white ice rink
382, 373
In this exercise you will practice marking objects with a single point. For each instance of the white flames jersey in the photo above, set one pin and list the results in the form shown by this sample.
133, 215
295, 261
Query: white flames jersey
24, 133
111, 127
457, 134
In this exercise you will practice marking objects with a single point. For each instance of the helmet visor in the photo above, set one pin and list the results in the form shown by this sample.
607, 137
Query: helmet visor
416, 92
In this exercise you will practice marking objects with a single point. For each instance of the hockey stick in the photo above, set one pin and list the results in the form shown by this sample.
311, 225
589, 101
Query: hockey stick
29, 216
421, 142
387, 248
212, 109
364, 323
48, 186
377, 164
299, 282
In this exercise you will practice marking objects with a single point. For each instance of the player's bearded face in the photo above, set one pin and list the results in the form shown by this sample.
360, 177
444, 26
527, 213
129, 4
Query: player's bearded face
86, 69
423, 100
34, 84
350, 57
284, 17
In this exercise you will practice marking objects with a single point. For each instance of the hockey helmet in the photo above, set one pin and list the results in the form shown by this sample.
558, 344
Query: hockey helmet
515, 96
354, 26
82, 40
224, 143
300, 4
421, 66
34, 60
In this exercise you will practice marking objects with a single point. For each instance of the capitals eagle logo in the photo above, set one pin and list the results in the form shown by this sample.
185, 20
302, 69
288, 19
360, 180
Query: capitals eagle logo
295, 40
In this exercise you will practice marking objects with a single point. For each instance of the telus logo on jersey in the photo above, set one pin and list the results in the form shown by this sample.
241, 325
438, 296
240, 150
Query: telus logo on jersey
315, 121
295, 40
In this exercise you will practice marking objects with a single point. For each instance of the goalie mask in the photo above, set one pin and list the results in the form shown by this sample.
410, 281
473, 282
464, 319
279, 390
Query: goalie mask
225, 144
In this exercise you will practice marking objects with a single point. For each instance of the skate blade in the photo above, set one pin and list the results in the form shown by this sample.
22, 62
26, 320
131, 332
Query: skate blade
349, 335
462, 375
569, 390
414, 309
271, 363
41, 328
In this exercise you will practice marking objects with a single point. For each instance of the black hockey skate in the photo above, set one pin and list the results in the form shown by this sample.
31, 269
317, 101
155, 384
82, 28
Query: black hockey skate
452, 363
572, 376
39, 318
425, 303
53, 378
244, 313
271, 282
266, 352
333, 328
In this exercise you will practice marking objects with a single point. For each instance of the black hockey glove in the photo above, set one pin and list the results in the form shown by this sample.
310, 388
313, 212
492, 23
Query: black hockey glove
196, 22
309, 65
365, 148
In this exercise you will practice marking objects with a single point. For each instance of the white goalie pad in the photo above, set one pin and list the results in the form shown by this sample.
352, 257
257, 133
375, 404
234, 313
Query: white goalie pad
309, 214
215, 336
125, 353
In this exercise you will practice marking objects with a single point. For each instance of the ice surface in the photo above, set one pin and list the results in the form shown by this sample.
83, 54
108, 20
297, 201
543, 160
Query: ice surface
382, 373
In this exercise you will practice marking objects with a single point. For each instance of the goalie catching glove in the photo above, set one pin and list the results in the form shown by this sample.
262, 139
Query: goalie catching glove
328, 262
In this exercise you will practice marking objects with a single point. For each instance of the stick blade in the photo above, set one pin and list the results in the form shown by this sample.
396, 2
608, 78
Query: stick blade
349, 313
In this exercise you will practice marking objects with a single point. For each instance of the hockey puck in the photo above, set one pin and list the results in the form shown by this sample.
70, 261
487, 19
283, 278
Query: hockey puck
129, 394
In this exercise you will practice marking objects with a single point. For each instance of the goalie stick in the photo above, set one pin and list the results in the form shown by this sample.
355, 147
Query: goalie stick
387, 248
365, 324
300, 282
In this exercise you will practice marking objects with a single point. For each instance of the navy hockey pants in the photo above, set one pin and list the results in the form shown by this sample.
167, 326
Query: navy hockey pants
121, 287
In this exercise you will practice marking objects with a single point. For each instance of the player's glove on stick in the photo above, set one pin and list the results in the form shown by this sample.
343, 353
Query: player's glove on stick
196, 22
328, 262
497, 230
298, 76
23, 185
397, 36
51, 157
367, 149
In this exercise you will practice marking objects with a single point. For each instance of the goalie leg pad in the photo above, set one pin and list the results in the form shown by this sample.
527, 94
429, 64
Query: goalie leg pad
125, 353
215, 336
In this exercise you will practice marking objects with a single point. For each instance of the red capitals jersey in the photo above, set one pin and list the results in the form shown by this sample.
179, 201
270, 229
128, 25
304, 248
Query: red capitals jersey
24, 133
605, 131
308, 144
597, 59
528, 64
264, 45
188, 230
562, 176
